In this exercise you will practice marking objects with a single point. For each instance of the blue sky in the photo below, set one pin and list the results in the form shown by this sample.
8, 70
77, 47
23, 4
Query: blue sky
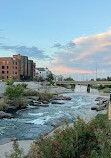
68, 36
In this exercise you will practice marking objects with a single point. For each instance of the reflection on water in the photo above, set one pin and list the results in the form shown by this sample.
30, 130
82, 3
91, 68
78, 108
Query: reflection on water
30, 122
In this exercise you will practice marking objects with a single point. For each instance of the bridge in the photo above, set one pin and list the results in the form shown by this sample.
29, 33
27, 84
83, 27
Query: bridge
84, 82
88, 83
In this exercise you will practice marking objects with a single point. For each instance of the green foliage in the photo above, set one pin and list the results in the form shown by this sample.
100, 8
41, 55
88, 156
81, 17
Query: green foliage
3, 105
30, 92
106, 90
69, 79
24, 85
83, 140
9, 81
45, 96
19, 102
50, 77
92, 79
14, 92
17, 153
31, 78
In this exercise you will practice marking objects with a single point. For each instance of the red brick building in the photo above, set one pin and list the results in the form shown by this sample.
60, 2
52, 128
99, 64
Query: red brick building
18, 67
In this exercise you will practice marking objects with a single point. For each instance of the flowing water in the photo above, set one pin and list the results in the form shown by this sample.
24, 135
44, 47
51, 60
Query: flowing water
30, 122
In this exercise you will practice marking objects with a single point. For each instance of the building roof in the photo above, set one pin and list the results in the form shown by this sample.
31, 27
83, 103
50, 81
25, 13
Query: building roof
40, 69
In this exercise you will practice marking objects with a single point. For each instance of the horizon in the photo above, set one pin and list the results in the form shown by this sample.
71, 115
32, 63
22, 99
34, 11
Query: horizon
70, 38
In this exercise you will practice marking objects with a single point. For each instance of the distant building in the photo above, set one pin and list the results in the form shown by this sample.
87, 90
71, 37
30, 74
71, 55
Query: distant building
18, 67
34, 72
42, 72
59, 78
30, 69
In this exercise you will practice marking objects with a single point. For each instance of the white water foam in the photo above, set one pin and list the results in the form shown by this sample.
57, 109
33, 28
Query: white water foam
41, 120
36, 114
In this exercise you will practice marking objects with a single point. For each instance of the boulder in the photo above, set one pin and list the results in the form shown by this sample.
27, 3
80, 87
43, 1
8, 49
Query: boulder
13, 139
60, 97
55, 102
5, 115
94, 107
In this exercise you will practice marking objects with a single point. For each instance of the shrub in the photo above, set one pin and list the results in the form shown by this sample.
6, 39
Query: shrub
45, 96
3, 105
9, 81
83, 140
13, 92
19, 102
30, 92
24, 85
17, 153
106, 90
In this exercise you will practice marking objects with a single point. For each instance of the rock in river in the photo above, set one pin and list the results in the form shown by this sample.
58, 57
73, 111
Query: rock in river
5, 115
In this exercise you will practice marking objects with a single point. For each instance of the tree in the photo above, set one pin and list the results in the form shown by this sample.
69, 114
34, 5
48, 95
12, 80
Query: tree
68, 79
50, 77
9, 81
92, 79
14, 92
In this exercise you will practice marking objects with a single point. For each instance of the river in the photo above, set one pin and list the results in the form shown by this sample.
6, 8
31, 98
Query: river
32, 121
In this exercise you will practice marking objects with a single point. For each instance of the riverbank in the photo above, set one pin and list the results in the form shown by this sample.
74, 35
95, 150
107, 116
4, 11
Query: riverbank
28, 121
26, 144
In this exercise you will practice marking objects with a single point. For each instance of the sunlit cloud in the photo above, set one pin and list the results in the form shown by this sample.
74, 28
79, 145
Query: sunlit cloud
66, 70
84, 54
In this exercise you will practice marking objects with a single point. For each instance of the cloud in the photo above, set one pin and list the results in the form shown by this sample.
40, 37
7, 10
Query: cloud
24, 50
66, 70
66, 46
83, 54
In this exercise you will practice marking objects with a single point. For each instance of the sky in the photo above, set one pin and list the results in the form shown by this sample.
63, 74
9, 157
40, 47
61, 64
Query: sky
70, 37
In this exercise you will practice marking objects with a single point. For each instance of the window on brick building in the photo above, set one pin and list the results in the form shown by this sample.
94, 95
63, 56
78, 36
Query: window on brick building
7, 67
3, 72
3, 62
7, 76
16, 68
7, 72
3, 67
15, 72
16, 63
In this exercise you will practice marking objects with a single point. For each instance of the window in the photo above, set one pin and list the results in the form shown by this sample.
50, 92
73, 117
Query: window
3, 67
16, 68
3, 72
15, 72
3, 62
7, 67
16, 63
7, 76
7, 72
7, 62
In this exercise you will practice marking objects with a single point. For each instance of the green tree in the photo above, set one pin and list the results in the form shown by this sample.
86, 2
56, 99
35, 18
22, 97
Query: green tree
14, 92
68, 79
50, 77
9, 81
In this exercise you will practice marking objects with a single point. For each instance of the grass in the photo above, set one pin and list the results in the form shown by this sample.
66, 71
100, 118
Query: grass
42, 95
30, 92
106, 90
3, 105
92, 140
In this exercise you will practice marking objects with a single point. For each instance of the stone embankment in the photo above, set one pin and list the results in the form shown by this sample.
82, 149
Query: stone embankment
101, 105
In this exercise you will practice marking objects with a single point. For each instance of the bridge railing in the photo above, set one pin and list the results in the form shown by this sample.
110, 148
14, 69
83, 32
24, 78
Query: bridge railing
84, 82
